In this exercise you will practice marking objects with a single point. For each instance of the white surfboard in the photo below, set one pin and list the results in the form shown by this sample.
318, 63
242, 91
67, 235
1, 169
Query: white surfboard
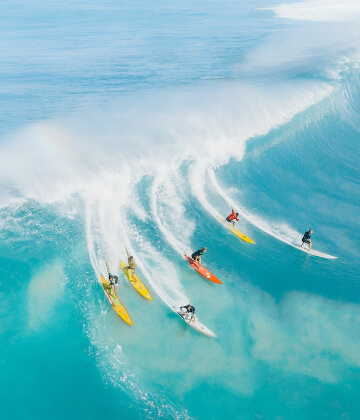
314, 252
198, 326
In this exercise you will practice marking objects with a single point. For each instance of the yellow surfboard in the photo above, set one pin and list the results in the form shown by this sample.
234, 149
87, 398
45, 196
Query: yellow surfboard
115, 302
135, 281
235, 231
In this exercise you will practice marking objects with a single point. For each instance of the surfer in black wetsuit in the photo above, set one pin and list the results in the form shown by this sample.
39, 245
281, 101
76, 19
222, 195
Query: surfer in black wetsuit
113, 280
196, 256
307, 238
188, 313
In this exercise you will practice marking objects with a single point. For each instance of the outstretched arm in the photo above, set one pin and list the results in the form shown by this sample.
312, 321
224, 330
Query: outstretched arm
127, 253
107, 267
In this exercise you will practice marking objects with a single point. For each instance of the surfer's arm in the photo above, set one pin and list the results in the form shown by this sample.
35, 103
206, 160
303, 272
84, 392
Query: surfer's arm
107, 267
127, 253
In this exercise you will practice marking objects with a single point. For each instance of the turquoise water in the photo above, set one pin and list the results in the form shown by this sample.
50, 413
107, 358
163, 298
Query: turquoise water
136, 124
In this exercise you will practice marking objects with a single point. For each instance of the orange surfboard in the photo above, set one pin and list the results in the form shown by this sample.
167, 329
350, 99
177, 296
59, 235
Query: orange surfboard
202, 270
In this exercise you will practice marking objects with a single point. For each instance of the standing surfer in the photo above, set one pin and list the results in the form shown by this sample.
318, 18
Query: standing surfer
113, 280
131, 265
196, 256
232, 217
307, 238
188, 313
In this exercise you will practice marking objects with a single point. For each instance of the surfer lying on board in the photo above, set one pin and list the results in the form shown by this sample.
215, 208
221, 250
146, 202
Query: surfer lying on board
307, 238
188, 313
131, 264
232, 217
196, 256
113, 280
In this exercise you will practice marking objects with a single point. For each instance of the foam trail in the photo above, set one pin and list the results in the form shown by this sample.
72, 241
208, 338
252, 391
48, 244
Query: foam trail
108, 232
283, 232
162, 277
104, 223
197, 173
164, 191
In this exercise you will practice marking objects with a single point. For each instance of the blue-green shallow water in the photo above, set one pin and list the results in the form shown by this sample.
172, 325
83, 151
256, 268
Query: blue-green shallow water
135, 125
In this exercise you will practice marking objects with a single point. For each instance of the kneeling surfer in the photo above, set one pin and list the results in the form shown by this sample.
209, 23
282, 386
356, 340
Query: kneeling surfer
113, 280
131, 265
188, 313
196, 256
232, 217
307, 238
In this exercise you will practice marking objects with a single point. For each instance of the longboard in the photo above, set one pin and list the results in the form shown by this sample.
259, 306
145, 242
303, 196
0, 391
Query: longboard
115, 302
314, 252
198, 326
235, 231
202, 270
135, 281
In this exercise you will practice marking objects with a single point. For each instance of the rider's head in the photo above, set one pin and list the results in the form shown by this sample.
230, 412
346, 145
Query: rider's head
203, 249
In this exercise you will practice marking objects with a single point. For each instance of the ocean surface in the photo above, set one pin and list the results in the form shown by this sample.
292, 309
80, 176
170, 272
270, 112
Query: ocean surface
136, 124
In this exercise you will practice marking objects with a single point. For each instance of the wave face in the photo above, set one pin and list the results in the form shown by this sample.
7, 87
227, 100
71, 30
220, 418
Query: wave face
133, 125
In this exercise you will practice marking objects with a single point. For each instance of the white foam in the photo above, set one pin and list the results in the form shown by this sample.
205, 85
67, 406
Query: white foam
162, 276
320, 11
108, 232
206, 128
169, 213
281, 231
58, 158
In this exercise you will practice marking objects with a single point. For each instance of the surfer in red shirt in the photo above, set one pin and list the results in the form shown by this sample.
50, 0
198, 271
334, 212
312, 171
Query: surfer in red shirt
232, 217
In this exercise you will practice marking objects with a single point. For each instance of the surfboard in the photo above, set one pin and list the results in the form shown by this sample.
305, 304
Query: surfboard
235, 231
135, 281
314, 252
202, 270
198, 326
115, 302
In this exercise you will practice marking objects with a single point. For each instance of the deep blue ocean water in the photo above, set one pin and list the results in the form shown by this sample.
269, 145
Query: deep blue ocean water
135, 124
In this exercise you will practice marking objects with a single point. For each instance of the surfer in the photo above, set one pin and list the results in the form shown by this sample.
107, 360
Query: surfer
232, 217
131, 264
113, 280
188, 313
307, 238
196, 256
